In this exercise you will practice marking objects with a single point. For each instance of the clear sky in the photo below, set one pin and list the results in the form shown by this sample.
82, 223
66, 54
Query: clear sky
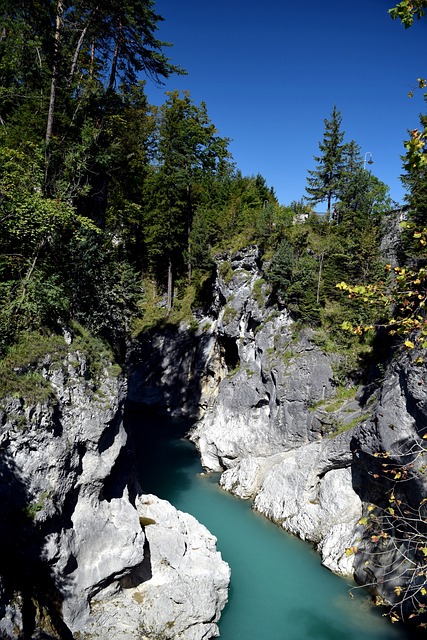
270, 72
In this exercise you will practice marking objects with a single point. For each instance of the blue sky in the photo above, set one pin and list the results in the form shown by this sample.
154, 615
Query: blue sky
271, 71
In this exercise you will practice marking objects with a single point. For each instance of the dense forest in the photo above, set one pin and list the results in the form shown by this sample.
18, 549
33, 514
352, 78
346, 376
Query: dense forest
117, 214
113, 210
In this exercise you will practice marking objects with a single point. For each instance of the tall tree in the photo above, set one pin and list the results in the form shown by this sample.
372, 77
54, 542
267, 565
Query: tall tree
188, 150
323, 182
362, 198
82, 49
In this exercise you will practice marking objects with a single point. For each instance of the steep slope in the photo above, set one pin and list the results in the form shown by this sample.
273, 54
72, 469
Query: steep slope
267, 411
83, 554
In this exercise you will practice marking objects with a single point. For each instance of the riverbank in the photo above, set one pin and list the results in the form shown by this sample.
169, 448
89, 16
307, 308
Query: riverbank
278, 589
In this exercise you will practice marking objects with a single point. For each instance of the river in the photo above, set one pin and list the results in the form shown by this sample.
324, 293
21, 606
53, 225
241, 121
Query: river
279, 590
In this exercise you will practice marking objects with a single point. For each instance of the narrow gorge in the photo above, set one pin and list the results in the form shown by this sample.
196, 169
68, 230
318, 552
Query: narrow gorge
91, 556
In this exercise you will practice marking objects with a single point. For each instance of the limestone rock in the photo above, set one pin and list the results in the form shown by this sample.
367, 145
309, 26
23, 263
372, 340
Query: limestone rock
263, 403
394, 436
72, 529
308, 493
177, 592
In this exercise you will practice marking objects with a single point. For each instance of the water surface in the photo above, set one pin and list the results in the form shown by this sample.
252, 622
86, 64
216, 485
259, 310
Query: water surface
279, 590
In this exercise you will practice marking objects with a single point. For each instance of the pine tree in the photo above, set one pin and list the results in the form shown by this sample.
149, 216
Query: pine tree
323, 182
362, 197
188, 150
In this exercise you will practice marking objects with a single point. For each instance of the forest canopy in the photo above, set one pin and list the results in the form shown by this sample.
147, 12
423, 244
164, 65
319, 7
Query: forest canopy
113, 209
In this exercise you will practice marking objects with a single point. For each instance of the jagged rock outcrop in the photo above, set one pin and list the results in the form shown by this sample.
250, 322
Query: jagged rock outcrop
261, 398
308, 491
389, 473
269, 414
74, 533
179, 589
273, 378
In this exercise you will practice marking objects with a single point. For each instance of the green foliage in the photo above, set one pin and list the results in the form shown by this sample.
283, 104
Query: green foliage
323, 183
179, 224
97, 352
415, 180
399, 299
226, 271
229, 314
281, 270
362, 198
33, 509
102, 189
259, 291
342, 395
293, 281
407, 10
18, 375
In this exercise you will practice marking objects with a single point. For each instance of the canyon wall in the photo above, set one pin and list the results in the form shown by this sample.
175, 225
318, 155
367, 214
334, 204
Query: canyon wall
271, 410
84, 554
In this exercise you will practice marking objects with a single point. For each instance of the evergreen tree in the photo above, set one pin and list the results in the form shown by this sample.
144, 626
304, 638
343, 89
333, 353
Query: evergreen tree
323, 182
281, 269
63, 60
362, 198
188, 150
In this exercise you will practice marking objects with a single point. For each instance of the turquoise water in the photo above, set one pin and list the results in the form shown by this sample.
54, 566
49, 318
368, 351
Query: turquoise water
279, 590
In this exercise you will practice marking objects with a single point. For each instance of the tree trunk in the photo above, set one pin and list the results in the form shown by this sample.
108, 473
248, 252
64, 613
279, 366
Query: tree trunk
115, 58
189, 222
54, 77
170, 287
80, 44
329, 206
319, 278
92, 58
76, 55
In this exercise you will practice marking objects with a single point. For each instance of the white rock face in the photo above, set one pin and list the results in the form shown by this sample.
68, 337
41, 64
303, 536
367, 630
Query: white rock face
300, 491
185, 582
63, 463
269, 380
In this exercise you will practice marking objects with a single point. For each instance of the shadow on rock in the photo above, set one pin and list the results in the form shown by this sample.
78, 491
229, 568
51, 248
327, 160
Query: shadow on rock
25, 578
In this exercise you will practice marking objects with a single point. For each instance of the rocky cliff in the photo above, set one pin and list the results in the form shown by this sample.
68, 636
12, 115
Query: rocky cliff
261, 399
389, 474
268, 410
83, 553
338, 466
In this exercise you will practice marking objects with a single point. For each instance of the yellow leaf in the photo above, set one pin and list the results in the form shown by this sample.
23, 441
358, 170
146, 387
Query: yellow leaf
409, 344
